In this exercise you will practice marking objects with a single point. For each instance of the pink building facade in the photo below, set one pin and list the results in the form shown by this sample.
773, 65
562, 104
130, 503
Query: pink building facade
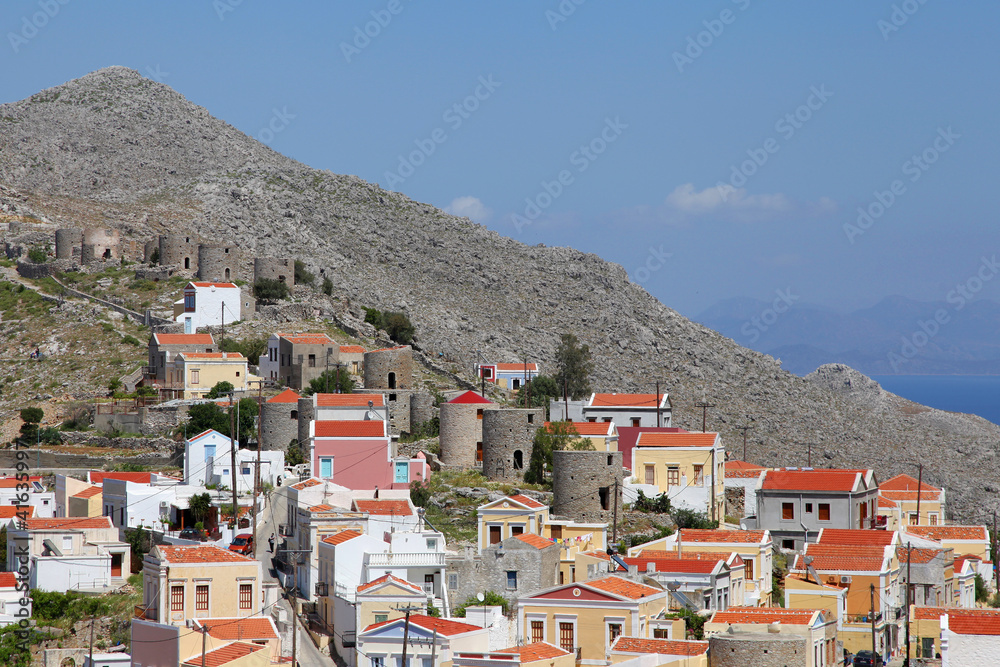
359, 454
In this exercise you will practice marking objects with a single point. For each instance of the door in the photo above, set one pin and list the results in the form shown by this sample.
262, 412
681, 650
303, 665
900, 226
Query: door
116, 565
494, 534
402, 472
326, 468
650, 474
429, 584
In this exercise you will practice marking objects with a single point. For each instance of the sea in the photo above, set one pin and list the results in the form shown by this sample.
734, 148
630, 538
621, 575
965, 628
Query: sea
975, 394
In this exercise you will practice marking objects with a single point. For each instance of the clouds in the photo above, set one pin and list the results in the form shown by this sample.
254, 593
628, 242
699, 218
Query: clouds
469, 207
727, 203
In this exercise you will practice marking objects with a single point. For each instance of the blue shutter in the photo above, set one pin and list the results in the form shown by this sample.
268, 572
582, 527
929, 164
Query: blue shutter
402, 472
326, 468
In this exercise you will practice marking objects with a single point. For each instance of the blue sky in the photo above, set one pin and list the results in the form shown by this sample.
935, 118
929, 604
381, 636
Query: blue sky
714, 149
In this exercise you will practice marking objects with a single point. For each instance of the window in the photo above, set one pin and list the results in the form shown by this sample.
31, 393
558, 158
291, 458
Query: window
661, 633
516, 530
788, 511
246, 596
188, 302
517, 383
429, 584
312, 361
748, 569
201, 597
537, 631
195, 376
432, 544
494, 534
673, 475
636, 422
176, 598
650, 474
246, 471
326, 467
913, 519
511, 580
518, 458
699, 475
378, 661
531, 417
402, 472
809, 508
566, 637
604, 495
381, 618
555, 532
479, 451
933, 519
479, 414
787, 544
392, 380
614, 631
824, 512
452, 582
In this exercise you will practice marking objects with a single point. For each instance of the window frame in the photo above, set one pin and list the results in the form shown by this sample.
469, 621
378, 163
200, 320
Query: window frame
820, 510
249, 596
177, 601
199, 604
788, 511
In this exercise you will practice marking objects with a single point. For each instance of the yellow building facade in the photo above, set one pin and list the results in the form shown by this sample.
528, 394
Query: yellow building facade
688, 467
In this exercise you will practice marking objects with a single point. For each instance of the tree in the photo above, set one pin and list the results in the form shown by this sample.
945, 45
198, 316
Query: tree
270, 290
329, 382
574, 367
556, 435
29, 429
490, 599
205, 416
541, 390
38, 255
154, 258
293, 456
251, 348
221, 388
327, 286
302, 275
200, 506
399, 327
373, 316
420, 493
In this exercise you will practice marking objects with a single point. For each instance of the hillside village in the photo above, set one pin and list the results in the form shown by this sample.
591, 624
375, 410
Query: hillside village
266, 469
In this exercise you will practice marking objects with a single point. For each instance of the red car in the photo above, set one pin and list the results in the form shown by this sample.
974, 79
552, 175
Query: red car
242, 544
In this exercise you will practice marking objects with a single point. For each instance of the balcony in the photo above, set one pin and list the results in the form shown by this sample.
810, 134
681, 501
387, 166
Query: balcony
403, 559
864, 618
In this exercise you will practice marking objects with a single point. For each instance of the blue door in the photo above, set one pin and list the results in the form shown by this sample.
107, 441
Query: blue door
402, 472
326, 468
209, 452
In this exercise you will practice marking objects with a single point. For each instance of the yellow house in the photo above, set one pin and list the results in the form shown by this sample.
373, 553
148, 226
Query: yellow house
904, 491
889, 513
804, 592
182, 582
668, 652
754, 547
193, 374
602, 435
85, 503
688, 467
972, 540
817, 626
233, 642
586, 617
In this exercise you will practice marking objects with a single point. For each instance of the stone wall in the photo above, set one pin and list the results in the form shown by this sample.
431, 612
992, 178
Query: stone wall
507, 441
584, 485
461, 430
35, 271
156, 273
180, 250
306, 414
391, 368
47, 458
68, 242
735, 501
536, 569
100, 245
761, 650
421, 408
217, 263
274, 268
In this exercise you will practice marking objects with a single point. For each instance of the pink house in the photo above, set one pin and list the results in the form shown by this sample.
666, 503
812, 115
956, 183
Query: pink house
359, 454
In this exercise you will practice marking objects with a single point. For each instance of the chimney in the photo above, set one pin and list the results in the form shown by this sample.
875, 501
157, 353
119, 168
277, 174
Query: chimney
774, 628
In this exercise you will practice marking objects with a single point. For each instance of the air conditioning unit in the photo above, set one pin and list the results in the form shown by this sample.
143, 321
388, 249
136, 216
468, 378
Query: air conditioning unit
164, 505
832, 579
845, 579
321, 589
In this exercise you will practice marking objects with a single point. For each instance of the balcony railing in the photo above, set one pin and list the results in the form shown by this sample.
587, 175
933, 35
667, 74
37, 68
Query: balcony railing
864, 618
403, 559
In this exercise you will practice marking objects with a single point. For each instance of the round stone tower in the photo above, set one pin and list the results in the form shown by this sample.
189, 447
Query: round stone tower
462, 429
68, 240
279, 421
217, 263
306, 414
391, 368
421, 408
148, 248
100, 245
274, 268
508, 436
180, 250
584, 485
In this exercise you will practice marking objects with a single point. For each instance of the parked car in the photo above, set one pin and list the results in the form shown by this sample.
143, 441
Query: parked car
191, 534
867, 659
242, 544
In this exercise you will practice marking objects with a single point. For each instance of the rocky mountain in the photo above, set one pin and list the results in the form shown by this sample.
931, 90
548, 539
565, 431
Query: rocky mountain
115, 149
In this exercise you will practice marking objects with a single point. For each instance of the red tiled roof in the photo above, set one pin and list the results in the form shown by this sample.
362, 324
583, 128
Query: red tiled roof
251, 627
856, 536
536, 651
312, 481
910, 495
742, 469
674, 564
341, 537
507, 368
960, 560
307, 338
351, 428
597, 553
693, 555
12, 482
384, 507
949, 533
885, 502
536, 541
728, 536
626, 400
442, 625
287, 396
843, 558
349, 400
676, 439
810, 480
352, 349
223, 655
526, 501
471, 397
213, 284
389, 578
764, 616
68, 523
933, 613
625, 644
586, 428
183, 339
624, 587
905, 483
918, 555
200, 554
89, 492
320, 508
11, 511
8, 580
968, 625
228, 356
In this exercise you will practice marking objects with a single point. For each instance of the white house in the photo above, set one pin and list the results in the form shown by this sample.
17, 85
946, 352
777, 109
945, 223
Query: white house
208, 304
14, 604
383, 642
208, 459
342, 558
43, 501
340, 407
630, 410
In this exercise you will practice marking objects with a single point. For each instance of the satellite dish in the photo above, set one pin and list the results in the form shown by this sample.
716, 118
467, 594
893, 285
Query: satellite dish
480, 597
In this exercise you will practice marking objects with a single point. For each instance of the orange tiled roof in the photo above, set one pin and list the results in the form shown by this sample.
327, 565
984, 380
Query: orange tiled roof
251, 627
969, 625
587, 428
910, 495
626, 400
386, 507
625, 644
352, 349
206, 284
183, 339
69, 523
843, 558
810, 480
137, 477
906, 483
12, 482
287, 396
307, 338
764, 616
341, 537
623, 587
921, 613
11, 511
228, 356
200, 554
320, 508
223, 655
647, 439
536, 651
350, 428
442, 625
674, 564
389, 578
918, 555
508, 368
886, 502
536, 541
960, 560
693, 555
89, 492
597, 553
742, 469
526, 501
349, 400
949, 533
312, 481
856, 536
8, 580
729, 536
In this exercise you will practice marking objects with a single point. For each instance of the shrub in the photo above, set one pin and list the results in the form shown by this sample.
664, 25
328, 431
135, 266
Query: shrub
373, 316
294, 456
302, 275
659, 505
420, 493
37, 255
399, 327
490, 599
129, 339
331, 381
220, 389
327, 286
270, 291
251, 348
685, 518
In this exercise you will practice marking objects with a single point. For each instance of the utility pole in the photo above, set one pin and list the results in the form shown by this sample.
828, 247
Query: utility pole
91, 640
920, 486
327, 373
295, 582
996, 566
712, 492
744, 428
704, 412
256, 478
809, 455
909, 546
566, 399
434, 641
658, 424
406, 628
614, 528
232, 451
524, 386
872, 616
